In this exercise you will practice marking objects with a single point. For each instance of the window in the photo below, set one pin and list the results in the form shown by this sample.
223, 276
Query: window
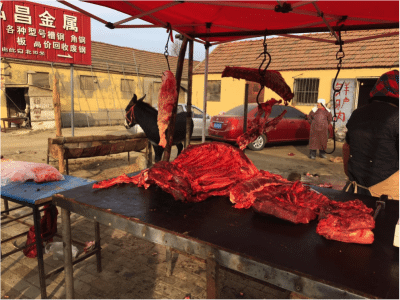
275, 111
88, 82
197, 113
306, 90
293, 113
41, 80
214, 90
127, 85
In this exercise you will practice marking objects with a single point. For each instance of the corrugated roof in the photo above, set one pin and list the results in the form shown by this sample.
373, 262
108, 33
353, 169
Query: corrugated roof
129, 60
299, 54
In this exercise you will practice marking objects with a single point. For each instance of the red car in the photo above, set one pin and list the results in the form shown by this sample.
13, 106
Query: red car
293, 127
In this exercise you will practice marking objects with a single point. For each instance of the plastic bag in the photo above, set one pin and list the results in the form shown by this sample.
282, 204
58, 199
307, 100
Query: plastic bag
21, 171
58, 252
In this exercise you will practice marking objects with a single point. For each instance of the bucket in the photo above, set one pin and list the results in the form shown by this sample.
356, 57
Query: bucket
58, 252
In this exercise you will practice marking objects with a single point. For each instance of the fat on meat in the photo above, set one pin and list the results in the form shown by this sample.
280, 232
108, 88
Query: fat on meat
167, 99
283, 210
358, 229
349, 222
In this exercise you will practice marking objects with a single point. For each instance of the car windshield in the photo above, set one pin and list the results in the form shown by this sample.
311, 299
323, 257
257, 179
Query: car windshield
238, 110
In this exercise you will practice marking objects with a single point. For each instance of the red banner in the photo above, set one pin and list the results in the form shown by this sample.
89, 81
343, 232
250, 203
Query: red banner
40, 32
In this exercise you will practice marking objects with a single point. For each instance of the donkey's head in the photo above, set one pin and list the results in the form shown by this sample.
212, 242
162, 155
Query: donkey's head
129, 112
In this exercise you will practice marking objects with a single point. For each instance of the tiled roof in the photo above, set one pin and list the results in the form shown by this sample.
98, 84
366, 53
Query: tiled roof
299, 54
124, 59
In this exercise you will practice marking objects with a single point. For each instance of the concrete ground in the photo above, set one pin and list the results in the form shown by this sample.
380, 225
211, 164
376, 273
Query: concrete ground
134, 268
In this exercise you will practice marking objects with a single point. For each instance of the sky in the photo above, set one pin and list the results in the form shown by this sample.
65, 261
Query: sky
149, 39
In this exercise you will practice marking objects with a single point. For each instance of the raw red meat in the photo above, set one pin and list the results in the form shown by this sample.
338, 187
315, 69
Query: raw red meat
345, 209
260, 124
274, 195
283, 210
199, 172
111, 182
293, 202
166, 100
356, 229
272, 79
349, 222
242, 194
219, 169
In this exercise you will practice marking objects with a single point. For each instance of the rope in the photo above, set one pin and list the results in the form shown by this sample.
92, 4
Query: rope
261, 71
339, 56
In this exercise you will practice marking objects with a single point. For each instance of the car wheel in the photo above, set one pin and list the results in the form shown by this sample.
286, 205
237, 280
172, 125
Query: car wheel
259, 143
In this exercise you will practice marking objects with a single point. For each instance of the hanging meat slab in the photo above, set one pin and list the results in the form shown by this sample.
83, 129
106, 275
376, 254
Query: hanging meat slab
167, 98
271, 79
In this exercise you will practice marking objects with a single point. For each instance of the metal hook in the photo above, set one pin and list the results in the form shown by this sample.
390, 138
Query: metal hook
260, 71
169, 31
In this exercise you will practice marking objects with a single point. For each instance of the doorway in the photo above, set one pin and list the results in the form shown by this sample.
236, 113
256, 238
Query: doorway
365, 87
16, 101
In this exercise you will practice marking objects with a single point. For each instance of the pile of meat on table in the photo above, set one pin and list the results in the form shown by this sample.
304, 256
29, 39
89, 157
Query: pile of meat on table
219, 169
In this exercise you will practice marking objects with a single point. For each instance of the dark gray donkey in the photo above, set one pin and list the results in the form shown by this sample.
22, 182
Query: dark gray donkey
142, 113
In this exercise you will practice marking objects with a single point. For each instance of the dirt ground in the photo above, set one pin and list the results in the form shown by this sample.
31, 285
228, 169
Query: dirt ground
282, 159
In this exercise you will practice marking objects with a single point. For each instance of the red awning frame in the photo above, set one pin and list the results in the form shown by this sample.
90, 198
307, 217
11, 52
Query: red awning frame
223, 31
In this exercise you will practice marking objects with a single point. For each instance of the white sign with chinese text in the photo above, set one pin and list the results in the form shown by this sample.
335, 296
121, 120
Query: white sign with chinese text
343, 100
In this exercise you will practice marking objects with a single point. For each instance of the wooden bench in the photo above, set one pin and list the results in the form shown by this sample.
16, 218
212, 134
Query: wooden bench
65, 148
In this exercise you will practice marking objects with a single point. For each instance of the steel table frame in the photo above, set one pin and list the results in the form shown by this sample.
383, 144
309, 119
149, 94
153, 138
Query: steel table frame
214, 255
38, 241
36, 220
36, 210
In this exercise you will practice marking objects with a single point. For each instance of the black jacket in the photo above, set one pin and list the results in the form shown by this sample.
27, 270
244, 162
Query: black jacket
373, 136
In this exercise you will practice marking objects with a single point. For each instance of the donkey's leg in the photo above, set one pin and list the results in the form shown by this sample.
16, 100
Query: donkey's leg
158, 151
179, 147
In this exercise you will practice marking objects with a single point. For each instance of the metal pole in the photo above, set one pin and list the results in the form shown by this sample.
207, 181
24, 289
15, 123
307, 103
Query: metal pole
39, 249
189, 98
207, 46
246, 104
67, 246
72, 99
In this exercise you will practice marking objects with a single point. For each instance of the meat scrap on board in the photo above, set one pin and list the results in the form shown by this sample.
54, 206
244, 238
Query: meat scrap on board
219, 169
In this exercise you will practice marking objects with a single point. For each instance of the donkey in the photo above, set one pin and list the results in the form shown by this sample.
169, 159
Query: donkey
142, 113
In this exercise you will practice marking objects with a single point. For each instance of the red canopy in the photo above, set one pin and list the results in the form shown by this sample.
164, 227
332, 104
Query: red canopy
232, 20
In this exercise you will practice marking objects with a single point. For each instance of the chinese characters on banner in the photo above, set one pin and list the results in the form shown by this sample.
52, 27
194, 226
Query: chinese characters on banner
40, 32
343, 100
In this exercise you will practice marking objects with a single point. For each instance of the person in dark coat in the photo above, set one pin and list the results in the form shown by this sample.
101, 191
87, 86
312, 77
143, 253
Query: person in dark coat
320, 118
371, 151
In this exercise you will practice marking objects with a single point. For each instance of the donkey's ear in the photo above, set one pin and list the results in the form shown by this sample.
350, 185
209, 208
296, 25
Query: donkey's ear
141, 99
132, 102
